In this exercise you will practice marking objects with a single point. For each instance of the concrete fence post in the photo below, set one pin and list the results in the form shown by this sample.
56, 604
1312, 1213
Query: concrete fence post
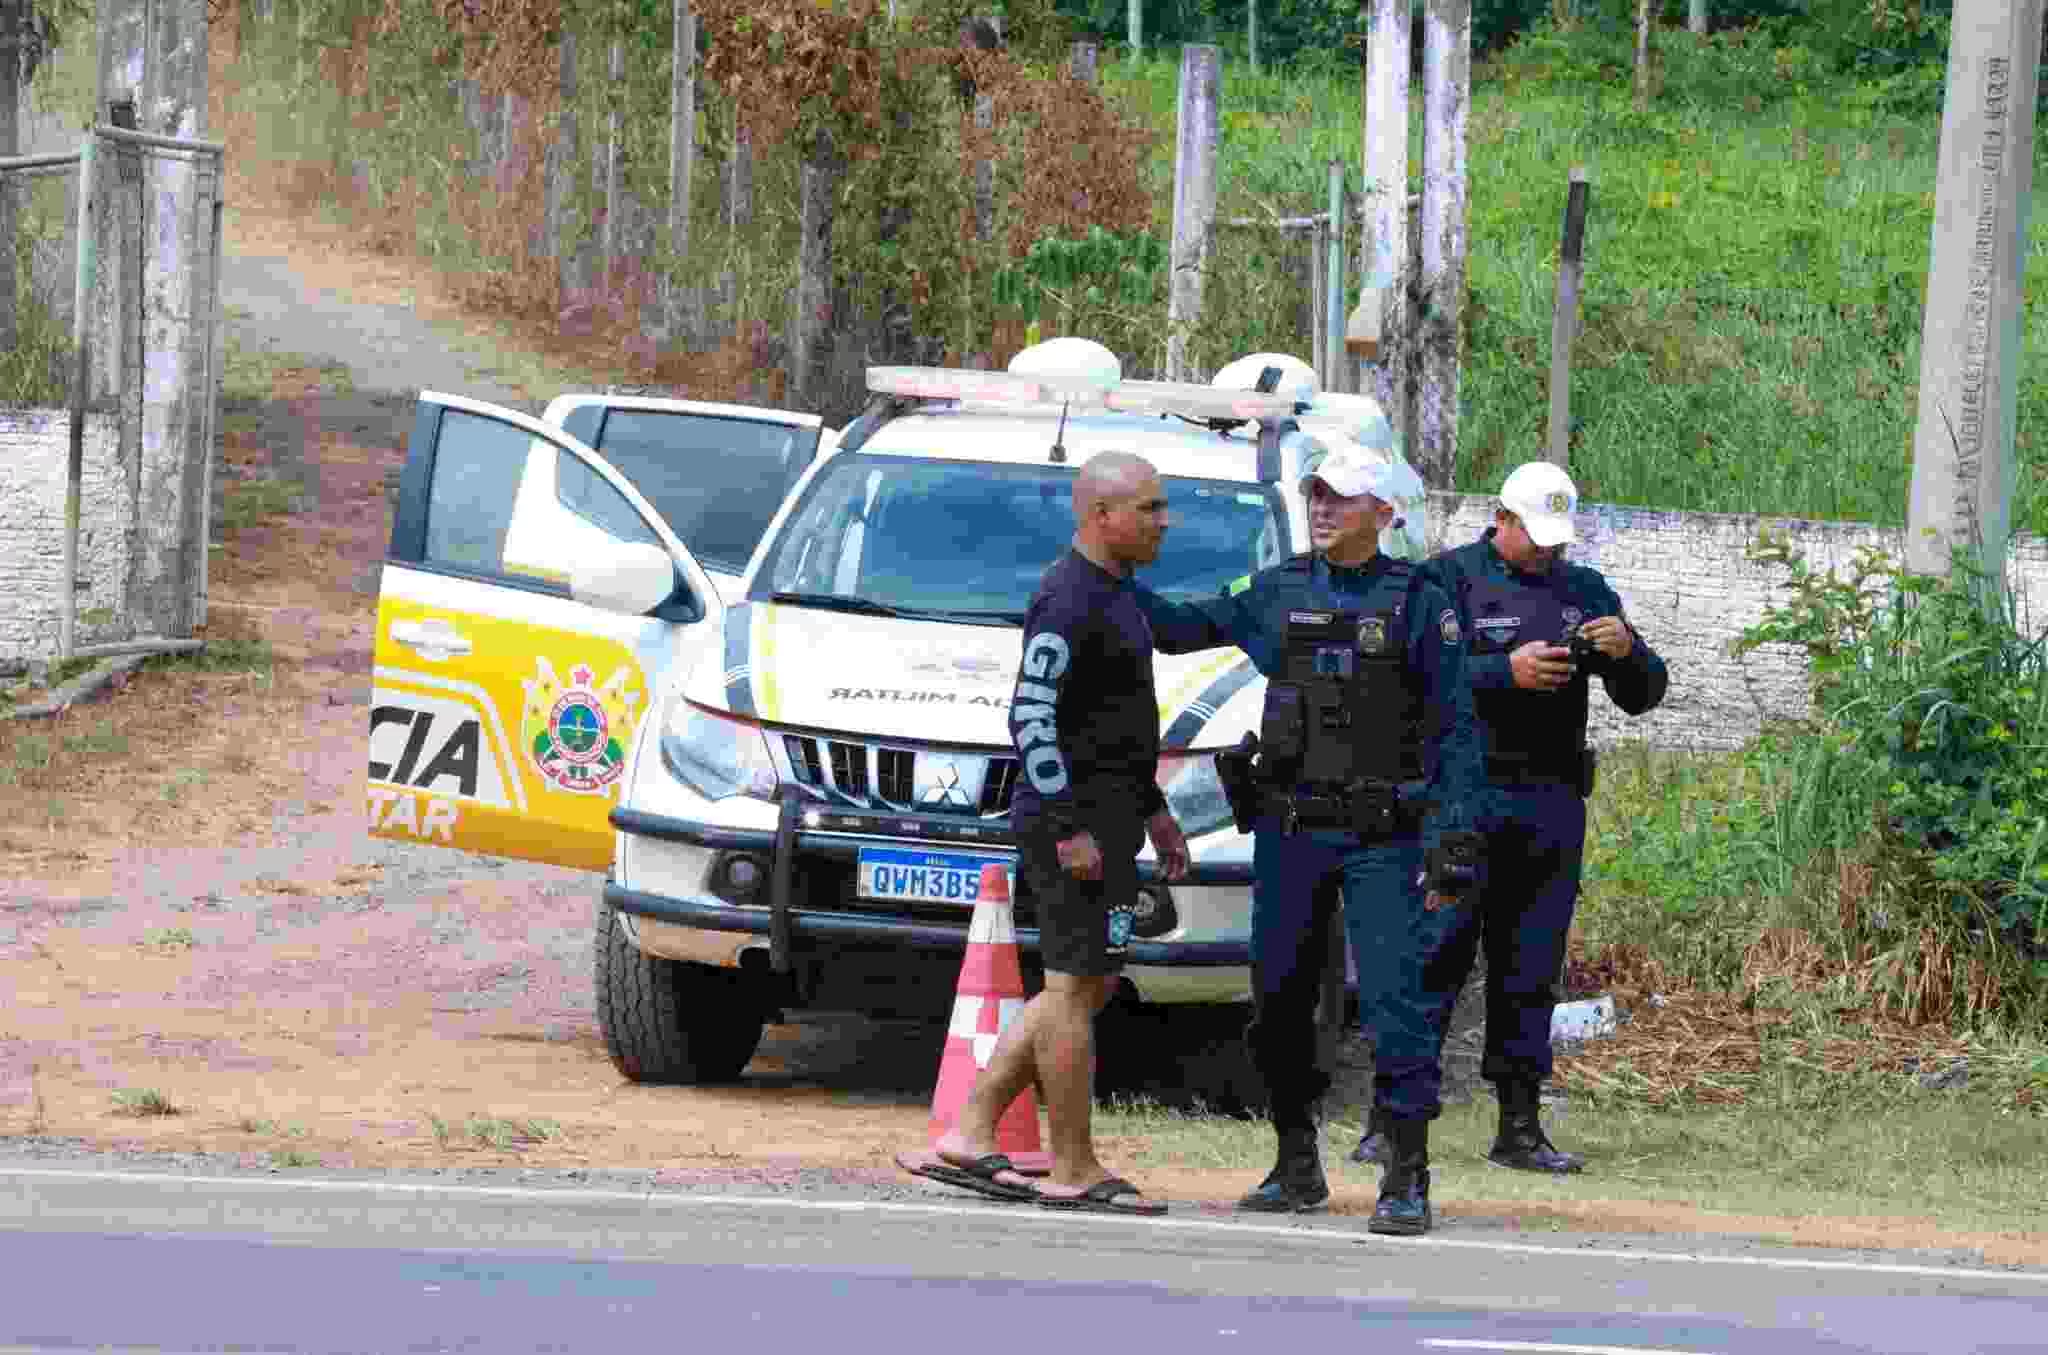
1446, 90
1194, 199
1387, 270
1964, 466
1564, 320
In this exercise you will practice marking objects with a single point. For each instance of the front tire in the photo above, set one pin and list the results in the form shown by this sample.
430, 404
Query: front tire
668, 1021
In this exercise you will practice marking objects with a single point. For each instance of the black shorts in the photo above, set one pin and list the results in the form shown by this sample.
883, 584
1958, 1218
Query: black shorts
1084, 926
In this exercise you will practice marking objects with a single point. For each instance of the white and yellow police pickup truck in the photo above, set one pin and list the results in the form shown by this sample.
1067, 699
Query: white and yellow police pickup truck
759, 673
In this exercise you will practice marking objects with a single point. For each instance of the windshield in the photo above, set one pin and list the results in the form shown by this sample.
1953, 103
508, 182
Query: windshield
972, 538
716, 480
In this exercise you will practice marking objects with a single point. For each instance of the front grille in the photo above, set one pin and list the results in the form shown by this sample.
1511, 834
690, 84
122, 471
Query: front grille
999, 785
850, 768
851, 775
898, 773
803, 759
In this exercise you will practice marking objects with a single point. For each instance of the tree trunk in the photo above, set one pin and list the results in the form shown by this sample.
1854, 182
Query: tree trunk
1137, 12
1696, 17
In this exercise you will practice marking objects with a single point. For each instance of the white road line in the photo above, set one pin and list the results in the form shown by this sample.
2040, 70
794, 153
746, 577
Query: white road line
1022, 1217
1550, 1348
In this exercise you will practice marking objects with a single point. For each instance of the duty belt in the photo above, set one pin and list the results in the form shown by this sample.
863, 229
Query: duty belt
1372, 811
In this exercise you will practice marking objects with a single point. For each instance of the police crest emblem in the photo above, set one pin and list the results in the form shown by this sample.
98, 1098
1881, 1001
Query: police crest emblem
1572, 616
1372, 635
1559, 502
1447, 626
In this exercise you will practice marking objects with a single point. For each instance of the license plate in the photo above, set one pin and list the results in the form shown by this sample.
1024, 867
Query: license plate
911, 875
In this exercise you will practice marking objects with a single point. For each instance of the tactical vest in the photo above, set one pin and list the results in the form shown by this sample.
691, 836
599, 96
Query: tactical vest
1527, 732
1345, 706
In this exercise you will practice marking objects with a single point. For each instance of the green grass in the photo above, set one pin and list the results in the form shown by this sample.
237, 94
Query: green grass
491, 1131
247, 503
143, 1103
251, 373
1868, 1146
23, 753
1754, 272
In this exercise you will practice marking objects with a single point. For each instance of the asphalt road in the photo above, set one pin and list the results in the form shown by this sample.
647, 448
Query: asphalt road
147, 1261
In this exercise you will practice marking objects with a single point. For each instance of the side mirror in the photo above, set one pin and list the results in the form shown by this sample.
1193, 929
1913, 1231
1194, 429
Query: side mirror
629, 577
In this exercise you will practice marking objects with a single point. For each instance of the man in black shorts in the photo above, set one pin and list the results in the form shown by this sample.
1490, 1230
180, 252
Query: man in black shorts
1085, 722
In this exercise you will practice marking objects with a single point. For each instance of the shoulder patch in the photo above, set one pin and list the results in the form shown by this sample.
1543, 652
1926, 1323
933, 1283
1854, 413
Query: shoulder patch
1447, 625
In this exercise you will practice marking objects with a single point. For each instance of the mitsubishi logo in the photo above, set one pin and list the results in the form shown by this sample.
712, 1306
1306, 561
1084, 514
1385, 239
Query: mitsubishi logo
942, 785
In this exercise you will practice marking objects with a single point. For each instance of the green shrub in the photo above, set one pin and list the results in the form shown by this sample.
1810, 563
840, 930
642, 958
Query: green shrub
1931, 702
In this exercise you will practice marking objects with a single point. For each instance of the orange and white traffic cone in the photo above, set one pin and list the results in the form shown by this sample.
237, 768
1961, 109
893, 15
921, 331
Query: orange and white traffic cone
988, 997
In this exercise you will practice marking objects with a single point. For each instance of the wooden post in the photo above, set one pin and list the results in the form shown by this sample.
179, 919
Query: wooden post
614, 152
1446, 89
984, 172
1318, 286
1964, 466
1696, 17
1642, 56
739, 179
1081, 62
810, 345
682, 155
84, 282
1251, 32
1194, 198
1137, 13
1564, 321
1386, 273
561, 171
1332, 374
13, 22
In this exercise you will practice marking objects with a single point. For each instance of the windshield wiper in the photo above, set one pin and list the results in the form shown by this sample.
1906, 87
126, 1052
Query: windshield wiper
839, 602
976, 618
869, 607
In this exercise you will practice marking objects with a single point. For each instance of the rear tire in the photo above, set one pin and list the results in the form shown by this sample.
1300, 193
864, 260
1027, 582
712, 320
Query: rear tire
668, 1021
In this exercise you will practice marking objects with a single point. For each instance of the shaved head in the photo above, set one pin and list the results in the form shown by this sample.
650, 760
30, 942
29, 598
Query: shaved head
1108, 477
1119, 510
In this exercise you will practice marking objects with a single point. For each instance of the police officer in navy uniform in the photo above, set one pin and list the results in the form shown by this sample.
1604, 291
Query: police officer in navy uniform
1540, 629
1368, 754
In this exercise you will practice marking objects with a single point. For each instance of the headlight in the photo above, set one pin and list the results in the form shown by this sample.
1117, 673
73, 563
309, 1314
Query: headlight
1193, 793
716, 755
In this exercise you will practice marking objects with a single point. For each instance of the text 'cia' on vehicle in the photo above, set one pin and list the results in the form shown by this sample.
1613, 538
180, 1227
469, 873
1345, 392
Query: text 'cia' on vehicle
760, 673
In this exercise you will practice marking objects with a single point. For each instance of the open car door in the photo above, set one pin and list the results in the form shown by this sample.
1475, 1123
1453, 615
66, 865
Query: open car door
716, 473
532, 604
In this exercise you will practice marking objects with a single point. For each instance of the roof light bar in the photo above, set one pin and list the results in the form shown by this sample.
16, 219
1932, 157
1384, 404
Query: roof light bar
956, 383
1186, 399
1197, 402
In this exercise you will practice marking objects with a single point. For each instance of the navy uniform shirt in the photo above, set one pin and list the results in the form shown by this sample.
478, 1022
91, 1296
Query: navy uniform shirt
1084, 717
1500, 609
1253, 617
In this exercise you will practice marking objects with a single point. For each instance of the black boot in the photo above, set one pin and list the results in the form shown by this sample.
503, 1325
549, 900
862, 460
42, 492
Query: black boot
1372, 1147
1521, 1142
1296, 1184
1403, 1208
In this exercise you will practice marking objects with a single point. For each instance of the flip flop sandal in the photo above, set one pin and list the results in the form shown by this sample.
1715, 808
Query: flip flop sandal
978, 1176
1103, 1198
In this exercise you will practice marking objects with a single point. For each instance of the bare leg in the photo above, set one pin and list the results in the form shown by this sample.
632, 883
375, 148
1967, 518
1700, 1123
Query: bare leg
1012, 1066
1064, 1043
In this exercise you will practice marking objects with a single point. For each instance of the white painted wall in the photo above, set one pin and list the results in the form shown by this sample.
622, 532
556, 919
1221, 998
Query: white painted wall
1689, 590
34, 446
